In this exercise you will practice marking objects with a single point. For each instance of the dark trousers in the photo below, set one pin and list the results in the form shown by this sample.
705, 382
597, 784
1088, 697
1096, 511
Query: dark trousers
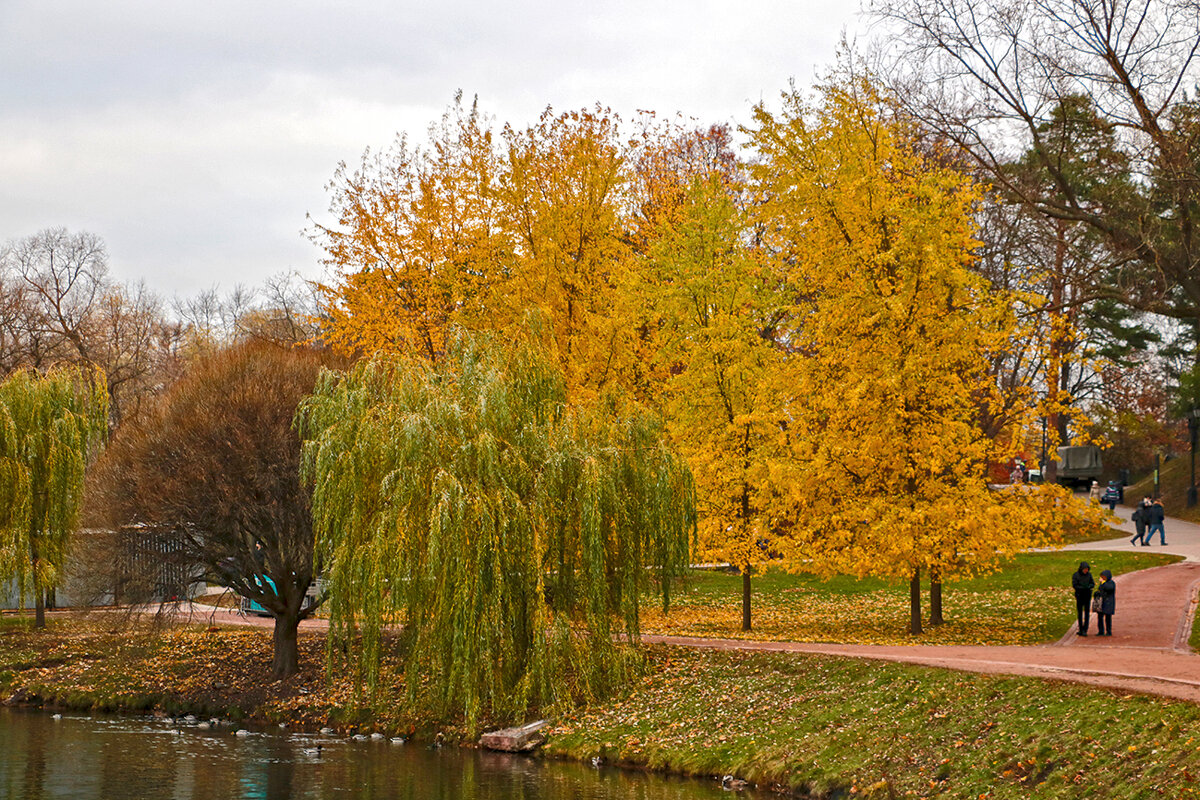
1083, 609
1104, 621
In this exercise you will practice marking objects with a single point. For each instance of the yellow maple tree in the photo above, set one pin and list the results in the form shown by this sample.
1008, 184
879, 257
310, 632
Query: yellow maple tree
476, 228
418, 245
719, 304
886, 463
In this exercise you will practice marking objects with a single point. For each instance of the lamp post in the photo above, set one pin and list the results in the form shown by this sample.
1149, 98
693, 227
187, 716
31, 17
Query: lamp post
1042, 465
1193, 422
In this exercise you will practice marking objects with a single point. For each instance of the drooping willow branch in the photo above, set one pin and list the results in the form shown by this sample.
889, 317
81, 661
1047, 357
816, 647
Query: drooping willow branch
511, 534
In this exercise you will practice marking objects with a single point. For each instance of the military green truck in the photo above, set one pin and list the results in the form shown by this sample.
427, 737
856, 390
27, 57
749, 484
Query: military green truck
1079, 465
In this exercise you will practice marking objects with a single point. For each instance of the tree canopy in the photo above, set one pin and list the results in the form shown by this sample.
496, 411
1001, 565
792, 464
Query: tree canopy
509, 533
886, 465
209, 480
50, 425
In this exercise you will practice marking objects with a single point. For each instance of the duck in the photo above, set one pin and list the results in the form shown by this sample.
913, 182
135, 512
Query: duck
732, 784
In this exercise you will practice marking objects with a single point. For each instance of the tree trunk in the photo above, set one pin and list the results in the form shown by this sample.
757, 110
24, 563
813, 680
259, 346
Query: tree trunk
39, 598
39, 606
746, 597
1055, 367
286, 661
935, 598
914, 598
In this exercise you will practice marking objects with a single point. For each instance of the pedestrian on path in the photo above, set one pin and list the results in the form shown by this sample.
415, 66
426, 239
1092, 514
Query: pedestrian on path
1107, 594
1096, 493
1156, 515
1083, 583
1140, 518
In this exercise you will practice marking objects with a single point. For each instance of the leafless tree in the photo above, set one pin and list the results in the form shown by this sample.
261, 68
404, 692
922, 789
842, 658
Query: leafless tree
992, 76
210, 478
284, 310
58, 305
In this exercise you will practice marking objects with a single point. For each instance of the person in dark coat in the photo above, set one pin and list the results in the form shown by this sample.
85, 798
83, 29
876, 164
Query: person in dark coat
1155, 516
1140, 517
1083, 583
1107, 592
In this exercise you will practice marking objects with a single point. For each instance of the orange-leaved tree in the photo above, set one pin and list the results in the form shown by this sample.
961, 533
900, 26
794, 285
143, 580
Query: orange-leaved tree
418, 244
886, 472
475, 229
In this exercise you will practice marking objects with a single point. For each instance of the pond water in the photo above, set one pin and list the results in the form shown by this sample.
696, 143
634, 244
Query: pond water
130, 758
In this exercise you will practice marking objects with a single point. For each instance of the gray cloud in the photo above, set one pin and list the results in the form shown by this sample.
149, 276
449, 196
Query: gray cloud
195, 138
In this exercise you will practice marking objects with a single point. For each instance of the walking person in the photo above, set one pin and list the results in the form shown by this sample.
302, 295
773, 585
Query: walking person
1083, 583
1112, 495
1156, 515
1140, 518
1106, 593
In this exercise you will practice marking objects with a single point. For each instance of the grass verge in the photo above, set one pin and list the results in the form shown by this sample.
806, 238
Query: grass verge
1174, 477
830, 727
89, 663
1027, 602
824, 726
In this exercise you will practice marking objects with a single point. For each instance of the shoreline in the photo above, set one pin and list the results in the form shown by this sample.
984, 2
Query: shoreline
812, 725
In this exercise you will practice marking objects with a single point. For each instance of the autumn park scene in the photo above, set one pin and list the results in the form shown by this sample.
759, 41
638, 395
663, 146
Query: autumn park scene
795, 455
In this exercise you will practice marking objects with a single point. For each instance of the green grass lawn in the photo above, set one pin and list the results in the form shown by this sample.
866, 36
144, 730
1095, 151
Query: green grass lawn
1028, 601
830, 727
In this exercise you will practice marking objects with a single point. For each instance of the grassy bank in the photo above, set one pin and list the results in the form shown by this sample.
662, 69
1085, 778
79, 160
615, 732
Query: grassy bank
1026, 602
1174, 477
838, 727
819, 725
91, 663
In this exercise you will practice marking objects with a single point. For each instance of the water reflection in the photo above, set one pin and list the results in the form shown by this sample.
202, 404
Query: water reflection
106, 758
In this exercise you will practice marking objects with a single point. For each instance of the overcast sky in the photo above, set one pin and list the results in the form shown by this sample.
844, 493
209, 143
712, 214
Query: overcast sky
194, 138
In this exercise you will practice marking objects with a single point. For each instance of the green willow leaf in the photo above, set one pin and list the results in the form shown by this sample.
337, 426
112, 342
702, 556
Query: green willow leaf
49, 425
509, 536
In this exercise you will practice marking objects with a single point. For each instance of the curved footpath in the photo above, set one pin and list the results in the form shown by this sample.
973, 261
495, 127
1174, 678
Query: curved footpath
1147, 653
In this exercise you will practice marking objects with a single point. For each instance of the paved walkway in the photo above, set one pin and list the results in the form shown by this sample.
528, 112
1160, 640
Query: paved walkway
1147, 653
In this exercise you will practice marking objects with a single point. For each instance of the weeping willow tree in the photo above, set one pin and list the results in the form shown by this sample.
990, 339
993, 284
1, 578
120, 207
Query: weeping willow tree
506, 536
48, 425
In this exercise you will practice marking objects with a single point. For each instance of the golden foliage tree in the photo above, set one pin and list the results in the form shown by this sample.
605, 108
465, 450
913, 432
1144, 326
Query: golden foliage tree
886, 467
720, 305
418, 239
475, 229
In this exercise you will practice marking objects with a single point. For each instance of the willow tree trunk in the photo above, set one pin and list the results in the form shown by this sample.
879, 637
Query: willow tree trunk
935, 598
914, 602
39, 597
746, 597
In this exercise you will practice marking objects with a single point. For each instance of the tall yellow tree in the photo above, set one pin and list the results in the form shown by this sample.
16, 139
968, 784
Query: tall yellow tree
564, 189
720, 305
886, 467
475, 228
